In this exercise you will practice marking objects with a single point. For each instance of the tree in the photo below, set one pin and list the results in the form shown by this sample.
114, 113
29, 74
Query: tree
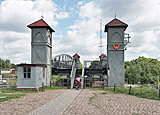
80, 64
145, 70
95, 64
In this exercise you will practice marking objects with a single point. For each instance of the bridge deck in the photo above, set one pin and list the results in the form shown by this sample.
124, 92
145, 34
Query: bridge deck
87, 71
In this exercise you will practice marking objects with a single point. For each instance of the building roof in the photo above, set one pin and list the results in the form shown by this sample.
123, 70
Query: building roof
31, 65
114, 23
101, 56
40, 23
76, 56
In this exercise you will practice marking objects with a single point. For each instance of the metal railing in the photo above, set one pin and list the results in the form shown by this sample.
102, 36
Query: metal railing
5, 82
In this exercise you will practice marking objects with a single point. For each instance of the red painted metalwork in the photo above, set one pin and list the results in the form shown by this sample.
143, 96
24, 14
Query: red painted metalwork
101, 56
14, 71
76, 56
115, 22
40, 23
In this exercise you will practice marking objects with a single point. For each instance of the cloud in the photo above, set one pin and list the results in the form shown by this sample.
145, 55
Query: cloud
15, 42
143, 54
62, 15
15, 46
80, 3
141, 16
89, 10
15, 15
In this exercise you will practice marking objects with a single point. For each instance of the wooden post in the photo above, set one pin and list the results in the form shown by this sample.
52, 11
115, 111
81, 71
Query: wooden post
8, 82
84, 85
53, 82
50, 84
159, 92
114, 87
43, 86
129, 90
67, 83
103, 84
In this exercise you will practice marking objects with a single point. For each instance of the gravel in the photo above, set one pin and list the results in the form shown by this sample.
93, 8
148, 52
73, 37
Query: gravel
88, 102
26, 104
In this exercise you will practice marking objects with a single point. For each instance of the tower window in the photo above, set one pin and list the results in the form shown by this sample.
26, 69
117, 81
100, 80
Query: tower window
27, 72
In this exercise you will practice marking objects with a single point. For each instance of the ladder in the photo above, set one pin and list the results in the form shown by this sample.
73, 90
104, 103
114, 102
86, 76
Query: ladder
73, 74
82, 78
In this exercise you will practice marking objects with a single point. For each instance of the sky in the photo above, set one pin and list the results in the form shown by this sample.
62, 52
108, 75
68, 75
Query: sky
77, 27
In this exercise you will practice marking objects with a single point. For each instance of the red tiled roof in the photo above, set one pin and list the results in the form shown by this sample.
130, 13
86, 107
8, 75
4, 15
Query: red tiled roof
115, 22
40, 23
101, 56
76, 56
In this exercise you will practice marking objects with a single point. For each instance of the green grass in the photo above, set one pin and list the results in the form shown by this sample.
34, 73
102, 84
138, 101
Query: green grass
14, 90
18, 93
5, 75
53, 88
142, 91
58, 77
11, 96
13, 81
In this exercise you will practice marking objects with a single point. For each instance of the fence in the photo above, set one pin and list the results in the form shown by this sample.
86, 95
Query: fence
149, 92
8, 82
90, 82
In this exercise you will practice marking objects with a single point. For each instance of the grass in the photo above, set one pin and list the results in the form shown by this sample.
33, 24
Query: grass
53, 88
11, 96
5, 75
142, 91
58, 77
18, 93
13, 81
14, 90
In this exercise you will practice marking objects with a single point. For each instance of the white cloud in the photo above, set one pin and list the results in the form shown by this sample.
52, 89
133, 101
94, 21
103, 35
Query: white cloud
15, 37
82, 38
62, 15
143, 54
80, 3
15, 15
15, 46
89, 10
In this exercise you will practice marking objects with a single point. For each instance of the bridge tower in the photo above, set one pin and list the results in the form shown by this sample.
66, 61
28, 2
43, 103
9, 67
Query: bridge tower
77, 61
41, 45
115, 52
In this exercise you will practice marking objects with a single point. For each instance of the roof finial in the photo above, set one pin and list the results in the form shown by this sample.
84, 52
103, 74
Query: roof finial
115, 15
42, 16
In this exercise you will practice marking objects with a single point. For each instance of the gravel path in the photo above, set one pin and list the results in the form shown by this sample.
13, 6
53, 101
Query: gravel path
91, 102
26, 104
58, 104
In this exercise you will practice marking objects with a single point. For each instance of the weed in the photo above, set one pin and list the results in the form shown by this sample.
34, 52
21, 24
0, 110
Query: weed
104, 93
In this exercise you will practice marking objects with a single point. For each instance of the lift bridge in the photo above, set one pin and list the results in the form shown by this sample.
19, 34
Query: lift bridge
41, 68
69, 66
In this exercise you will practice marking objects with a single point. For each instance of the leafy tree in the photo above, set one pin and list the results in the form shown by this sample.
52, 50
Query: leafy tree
80, 64
95, 64
145, 70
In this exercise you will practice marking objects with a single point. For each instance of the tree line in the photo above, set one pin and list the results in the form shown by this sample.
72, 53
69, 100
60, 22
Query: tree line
144, 70
7, 64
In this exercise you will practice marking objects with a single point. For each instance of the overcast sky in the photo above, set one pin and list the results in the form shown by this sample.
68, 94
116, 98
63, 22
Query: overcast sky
77, 26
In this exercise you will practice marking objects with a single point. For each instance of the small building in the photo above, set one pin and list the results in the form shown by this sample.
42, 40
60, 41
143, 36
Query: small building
6, 70
14, 71
31, 76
